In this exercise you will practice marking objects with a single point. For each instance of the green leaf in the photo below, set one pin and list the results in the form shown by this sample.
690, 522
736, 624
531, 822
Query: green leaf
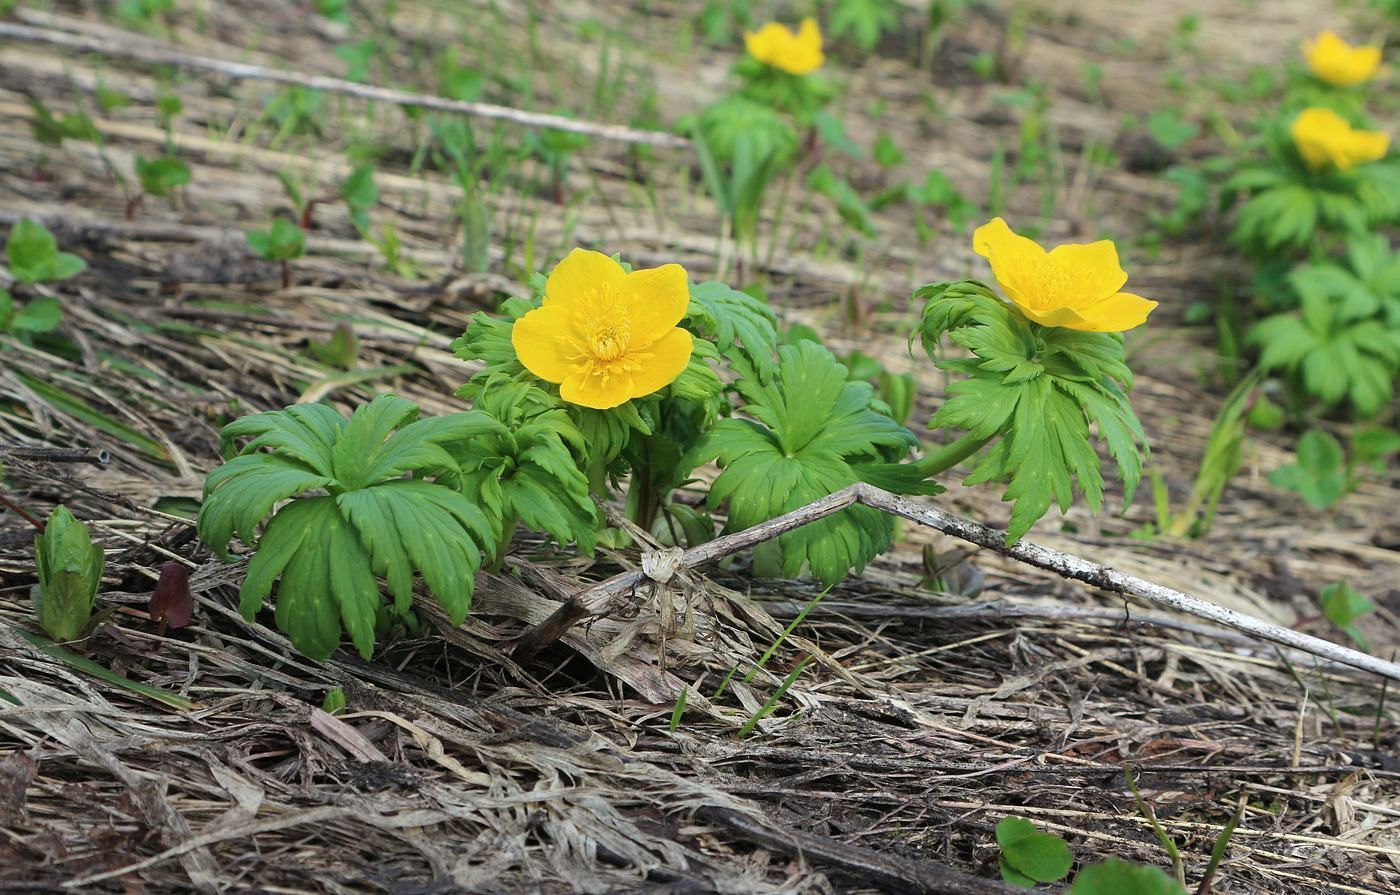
359, 190
40, 315
87, 666
1342, 606
283, 241
1319, 476
810, 432
33, 255
1115, 877
69, 568
528, 468
742, 325
1041, 857
161, 176
354, 514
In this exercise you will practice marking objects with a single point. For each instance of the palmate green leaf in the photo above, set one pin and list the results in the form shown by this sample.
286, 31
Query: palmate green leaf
1038, 390
528, 468
487, 339
1331, 358
810, 432
353, 515
737, 321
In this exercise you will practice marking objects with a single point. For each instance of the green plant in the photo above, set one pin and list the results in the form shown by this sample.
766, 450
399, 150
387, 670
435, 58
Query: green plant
527, 470
1034, 391
364, 498
1342, 606
340, 349
33, 256
1343, 342
283, 242
360, 194
808, 432
863, 21
1287, 202
142, 13
334, 703
1219, 462
1116, 877
742, 147
70, 570
35, 317
52, 129
1029, 856
1323, 474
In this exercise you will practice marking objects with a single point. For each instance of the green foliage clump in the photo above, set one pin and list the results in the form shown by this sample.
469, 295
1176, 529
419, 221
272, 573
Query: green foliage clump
808, 431
366, 498
1035, 390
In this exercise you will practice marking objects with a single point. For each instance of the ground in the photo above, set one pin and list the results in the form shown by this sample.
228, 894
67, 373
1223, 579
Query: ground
924, 717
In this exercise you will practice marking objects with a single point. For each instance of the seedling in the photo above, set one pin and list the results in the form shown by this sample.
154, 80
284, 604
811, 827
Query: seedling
1029, 856
70, 571
283, 243
1322, 474
159, 177
33, 256
1342, 606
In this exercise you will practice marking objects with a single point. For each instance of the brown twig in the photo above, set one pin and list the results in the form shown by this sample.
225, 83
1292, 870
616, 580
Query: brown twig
602, 598
155, 55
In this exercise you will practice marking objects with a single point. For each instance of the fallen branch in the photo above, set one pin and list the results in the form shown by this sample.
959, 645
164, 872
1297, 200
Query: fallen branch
607, 596
155, 55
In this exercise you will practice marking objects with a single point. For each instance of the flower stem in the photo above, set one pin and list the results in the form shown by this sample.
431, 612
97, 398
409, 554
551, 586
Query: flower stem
950, 455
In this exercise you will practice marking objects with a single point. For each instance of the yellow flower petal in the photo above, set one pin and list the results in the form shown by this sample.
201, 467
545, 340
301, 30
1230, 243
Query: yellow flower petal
656, 299
1017, 262
659, 365
1093, 268
1115, 314
543, 340
581, 274
1339, 63
798, 53
595, 392
606, 336
1073, 286
1325, 138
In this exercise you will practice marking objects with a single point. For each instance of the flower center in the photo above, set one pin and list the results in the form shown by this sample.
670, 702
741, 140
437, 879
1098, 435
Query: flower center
602, 334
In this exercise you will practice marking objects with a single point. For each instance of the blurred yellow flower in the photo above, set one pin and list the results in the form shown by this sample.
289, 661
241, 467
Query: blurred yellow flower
1325, 138
1074, 286
604, 335
798, 52
1338, 62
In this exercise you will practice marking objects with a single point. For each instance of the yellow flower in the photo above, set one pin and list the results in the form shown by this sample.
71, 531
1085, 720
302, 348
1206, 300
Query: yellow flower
604, 335
1325, 138
1074, 286
798, 52
1338, 62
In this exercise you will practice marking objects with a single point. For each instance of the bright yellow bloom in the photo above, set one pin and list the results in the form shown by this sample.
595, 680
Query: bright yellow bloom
798, 52
1074, 286
1338, 62
1325, 138
604, 335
